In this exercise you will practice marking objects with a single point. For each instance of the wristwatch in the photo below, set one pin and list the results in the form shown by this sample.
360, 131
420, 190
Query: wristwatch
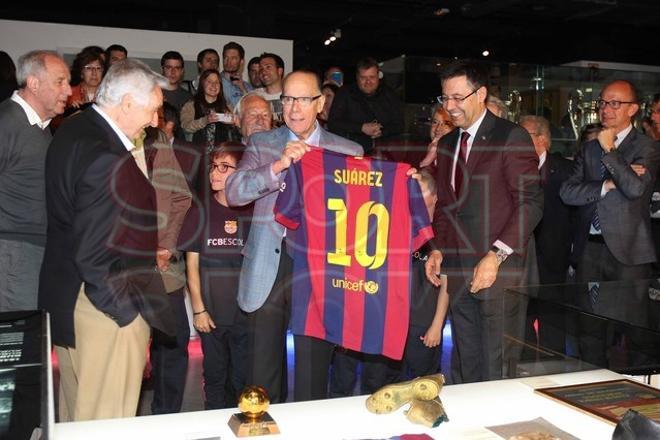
500, 254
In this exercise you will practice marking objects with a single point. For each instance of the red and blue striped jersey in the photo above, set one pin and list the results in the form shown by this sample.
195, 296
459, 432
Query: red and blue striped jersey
357, 220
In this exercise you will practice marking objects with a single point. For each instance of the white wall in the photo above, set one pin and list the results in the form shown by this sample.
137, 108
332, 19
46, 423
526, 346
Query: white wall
19, 37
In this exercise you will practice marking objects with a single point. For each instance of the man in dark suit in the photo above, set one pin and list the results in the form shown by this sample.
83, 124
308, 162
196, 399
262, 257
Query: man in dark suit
553, 237
98, 279
265, 280
553, 234
611, 184
489, 202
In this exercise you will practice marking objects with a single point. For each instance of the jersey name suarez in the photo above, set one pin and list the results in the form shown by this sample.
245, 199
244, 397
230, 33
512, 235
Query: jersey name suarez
356, 221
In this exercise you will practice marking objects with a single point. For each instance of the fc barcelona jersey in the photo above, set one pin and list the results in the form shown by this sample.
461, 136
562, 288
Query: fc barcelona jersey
357, 220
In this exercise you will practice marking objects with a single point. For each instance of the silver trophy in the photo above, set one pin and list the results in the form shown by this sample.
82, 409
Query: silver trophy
514, 104
575, 111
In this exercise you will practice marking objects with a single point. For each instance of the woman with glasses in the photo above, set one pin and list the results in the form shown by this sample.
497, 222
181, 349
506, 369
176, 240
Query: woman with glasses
212, 237
86, 75
206, 116
440, 125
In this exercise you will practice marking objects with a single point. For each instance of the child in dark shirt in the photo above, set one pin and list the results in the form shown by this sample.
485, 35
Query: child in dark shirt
428, 305
213, 235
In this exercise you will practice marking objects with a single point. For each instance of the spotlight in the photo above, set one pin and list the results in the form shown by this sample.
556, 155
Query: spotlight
485, 53
327, 42
332, 38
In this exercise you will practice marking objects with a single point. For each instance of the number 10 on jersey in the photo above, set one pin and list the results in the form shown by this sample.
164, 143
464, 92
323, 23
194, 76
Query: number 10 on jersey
366, 210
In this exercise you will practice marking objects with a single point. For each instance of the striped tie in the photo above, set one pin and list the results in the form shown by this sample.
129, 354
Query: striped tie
594, 291
596, 220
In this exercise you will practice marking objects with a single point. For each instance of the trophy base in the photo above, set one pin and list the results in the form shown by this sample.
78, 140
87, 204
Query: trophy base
243, 426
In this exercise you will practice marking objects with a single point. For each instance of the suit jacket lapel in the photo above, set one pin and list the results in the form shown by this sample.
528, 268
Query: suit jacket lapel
446, 160
115, 144
481, 141
627, 142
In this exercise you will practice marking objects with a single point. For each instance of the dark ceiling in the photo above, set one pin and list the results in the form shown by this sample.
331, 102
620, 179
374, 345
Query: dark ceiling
537, 31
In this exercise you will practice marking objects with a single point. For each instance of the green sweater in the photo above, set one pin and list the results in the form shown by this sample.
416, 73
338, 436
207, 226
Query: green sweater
22, 163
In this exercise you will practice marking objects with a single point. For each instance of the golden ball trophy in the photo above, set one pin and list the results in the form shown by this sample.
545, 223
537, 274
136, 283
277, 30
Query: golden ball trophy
253, 419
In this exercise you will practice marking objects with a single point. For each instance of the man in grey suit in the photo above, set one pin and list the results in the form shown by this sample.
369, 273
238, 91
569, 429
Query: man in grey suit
265, 280
611, 183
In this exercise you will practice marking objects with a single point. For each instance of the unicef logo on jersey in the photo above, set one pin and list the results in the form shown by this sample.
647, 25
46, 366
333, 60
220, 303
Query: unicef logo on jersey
369, 287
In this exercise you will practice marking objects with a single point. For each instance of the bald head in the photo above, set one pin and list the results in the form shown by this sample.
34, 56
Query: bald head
302, 101
617, 105
302, 75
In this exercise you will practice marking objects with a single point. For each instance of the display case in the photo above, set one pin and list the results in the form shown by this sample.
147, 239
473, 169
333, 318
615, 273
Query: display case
565, 95
613, 325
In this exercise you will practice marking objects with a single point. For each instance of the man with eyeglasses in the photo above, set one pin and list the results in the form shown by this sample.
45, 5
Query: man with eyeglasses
265, 281
611, 184
489, 202
171, 64
367, 110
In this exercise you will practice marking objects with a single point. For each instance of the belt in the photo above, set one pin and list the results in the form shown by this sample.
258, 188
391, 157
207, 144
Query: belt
596, 238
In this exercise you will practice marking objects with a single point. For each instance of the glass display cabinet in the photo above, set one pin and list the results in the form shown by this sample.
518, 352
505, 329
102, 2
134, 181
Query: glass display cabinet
566, 96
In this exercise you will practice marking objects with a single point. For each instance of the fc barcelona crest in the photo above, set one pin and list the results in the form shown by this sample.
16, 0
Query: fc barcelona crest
231, 226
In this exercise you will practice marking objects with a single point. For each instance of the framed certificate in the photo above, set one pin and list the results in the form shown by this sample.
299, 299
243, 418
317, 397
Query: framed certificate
609, 400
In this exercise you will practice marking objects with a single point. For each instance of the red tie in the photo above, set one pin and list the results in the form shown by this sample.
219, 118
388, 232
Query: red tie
460, 163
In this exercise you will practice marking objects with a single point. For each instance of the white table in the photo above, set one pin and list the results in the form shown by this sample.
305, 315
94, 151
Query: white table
470, 407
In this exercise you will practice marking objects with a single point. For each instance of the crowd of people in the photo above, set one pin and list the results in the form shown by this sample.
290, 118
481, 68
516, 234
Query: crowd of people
122, 191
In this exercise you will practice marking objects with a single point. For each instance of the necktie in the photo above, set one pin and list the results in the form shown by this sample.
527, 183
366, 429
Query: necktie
594, 291
461, 163
595, 221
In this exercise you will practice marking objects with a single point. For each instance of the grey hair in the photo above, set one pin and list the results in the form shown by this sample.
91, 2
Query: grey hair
542, 126
33, 63
239, 104
501, 106
129, 76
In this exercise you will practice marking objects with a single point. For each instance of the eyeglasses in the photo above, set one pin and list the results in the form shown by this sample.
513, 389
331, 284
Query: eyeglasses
304, 101
444, 99
615, 105
222, 167
90, 68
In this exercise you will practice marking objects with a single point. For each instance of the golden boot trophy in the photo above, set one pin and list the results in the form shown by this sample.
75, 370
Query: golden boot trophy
429, 413
392, 397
